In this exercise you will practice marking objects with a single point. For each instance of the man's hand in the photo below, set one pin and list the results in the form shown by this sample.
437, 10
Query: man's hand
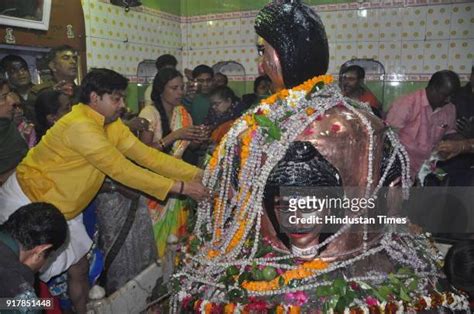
64, 87
465, 127
449, 149
193, 189
138, 124
191, 133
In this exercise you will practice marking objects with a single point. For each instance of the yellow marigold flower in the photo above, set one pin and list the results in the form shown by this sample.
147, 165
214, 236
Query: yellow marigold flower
310, 111
208, 308
212, 253
237, 237
305, 270
229, 308
213, 163
316, 264
284, 93
249, 119
294, 309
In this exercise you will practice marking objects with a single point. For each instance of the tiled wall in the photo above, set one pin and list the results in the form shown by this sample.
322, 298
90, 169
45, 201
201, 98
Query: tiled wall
412, 41
412, 38
119, 40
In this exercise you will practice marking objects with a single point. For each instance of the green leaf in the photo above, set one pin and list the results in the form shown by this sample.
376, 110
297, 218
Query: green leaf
281, 281
404, 295
175, 285
245, 276
349, 297
324, 291
263, 121
232, 271
317, 87
207, 237
257, 274
234, 294
341, 305
326, 307
378, 295
262, 250
384, 291
269, 140
413, 285
194, 245
405, 271
274, 132
394, 280
364, 285
340, 285
333, 301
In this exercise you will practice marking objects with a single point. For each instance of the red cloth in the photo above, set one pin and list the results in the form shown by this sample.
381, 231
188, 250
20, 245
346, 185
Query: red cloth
419, 127
44, 293
369, 98
221, 130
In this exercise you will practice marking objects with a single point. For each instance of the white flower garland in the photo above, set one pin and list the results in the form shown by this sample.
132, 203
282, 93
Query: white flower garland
203, 270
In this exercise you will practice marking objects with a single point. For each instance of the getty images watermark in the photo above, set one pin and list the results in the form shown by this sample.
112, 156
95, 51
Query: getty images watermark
308, 210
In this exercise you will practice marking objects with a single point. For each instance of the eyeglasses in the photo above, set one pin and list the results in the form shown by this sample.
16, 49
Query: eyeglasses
260, 50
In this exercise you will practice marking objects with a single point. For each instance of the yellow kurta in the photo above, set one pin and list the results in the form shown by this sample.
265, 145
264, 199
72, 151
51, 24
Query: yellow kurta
68, 166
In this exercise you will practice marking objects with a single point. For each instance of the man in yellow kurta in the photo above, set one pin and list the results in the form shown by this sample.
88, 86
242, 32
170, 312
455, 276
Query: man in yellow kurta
68, 167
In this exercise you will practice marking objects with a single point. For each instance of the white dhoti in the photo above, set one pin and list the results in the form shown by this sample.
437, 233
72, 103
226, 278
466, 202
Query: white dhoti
76, 246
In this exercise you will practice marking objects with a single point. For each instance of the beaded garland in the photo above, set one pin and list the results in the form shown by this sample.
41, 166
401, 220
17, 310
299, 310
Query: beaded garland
227, 245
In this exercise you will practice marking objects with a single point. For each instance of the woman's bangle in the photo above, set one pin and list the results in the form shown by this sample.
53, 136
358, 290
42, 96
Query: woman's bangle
181, 188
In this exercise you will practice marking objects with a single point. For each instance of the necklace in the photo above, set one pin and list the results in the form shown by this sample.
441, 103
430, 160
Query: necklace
308, 252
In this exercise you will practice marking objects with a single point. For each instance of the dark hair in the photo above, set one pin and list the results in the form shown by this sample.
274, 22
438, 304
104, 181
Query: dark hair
214, 118
459, 266
165, 60
159, 82
54, 51
442, 78
101, 81
259, 80
47, 103
224, 92
297, 34
202, 69
357, 69
224, 76
7, 60
36, 224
